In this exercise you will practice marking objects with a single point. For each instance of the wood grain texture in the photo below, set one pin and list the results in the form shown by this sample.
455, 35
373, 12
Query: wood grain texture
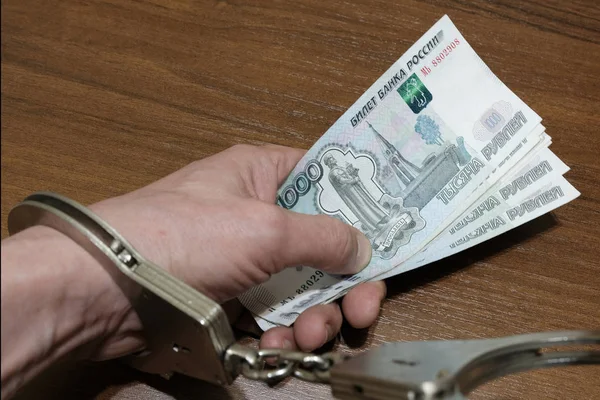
101, 97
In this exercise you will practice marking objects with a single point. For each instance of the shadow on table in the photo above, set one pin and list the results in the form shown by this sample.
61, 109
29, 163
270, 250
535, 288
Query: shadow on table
407, 281
113, 380
464, 259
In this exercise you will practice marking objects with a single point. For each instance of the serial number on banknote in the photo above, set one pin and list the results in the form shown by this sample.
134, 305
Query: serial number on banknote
445, 53
309, 282
304, 287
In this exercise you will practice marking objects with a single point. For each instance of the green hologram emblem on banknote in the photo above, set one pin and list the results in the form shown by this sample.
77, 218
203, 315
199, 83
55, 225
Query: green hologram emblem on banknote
415, 94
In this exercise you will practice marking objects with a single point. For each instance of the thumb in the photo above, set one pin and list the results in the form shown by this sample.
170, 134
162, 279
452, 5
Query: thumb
323, 242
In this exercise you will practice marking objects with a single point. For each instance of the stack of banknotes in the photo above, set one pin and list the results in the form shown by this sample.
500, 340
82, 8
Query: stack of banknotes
437, 156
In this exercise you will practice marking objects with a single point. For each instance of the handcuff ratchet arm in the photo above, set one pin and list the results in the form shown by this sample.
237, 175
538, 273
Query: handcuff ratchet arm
451, 369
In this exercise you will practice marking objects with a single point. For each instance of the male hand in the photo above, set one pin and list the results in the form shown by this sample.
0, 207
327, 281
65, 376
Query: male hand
215, 225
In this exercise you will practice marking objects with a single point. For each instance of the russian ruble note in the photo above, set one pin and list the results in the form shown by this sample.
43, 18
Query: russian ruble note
529, 148
531, 190
505, 207
423, 143
542, 200
517, 158
512, 168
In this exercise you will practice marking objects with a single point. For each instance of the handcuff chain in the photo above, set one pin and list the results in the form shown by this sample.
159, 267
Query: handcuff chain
283, 363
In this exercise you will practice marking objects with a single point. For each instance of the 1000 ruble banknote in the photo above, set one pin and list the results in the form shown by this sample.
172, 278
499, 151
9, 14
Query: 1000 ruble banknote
428, 139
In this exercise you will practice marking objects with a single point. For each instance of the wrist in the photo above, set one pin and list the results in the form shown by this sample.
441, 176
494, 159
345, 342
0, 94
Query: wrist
76, 307
140, 223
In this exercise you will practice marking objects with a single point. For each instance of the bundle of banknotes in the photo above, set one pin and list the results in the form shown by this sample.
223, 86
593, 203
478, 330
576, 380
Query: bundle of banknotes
437, 156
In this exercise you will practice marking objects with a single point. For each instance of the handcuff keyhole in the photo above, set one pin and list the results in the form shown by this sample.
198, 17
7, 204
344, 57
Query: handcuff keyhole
358, 389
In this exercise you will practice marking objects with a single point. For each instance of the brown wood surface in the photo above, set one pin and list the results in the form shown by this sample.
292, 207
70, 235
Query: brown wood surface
101, 97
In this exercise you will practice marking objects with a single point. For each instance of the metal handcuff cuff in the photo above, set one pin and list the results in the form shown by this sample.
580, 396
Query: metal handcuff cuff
189, 334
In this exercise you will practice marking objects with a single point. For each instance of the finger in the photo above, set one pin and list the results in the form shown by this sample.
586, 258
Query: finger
280, 337
284, 159
317, 325
263, 159
361, 304
263, 169
322, 242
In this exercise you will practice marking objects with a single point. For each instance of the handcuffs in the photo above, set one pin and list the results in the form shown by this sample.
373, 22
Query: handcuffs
188, 333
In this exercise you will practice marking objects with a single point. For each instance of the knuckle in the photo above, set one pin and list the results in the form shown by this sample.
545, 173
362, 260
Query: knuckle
249, 155
270, 146
242, 147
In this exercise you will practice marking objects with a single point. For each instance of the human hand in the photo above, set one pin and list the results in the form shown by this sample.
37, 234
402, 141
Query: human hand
215, 225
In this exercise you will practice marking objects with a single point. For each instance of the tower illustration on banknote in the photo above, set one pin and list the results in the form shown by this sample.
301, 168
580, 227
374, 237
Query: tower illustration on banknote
421, 183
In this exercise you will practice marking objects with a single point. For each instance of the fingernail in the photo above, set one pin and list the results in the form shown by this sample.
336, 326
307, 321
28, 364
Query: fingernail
363, 253
287, 344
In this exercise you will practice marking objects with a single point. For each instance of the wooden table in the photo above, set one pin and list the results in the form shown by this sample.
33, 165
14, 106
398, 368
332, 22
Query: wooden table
101, 97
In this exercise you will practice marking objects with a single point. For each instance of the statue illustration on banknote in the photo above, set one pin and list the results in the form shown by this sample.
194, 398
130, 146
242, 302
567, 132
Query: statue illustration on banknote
379, 189
381, 217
